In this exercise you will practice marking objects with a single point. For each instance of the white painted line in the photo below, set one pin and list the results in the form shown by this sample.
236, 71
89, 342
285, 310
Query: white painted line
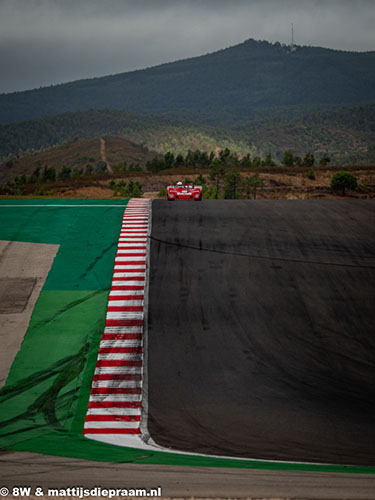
125, 303
128, 283
125, 315
121, 343
125, 237
119, 356
130, 266
114, 411
115, 293
121, 384
122, 329
122, 424
138, 245
115, 397
136, 238
133, 225
125, 259
116, 370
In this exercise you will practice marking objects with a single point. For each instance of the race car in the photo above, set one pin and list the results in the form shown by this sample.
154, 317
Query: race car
188, 192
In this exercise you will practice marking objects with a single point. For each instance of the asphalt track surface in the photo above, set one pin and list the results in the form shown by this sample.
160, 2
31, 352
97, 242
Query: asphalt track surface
261, 329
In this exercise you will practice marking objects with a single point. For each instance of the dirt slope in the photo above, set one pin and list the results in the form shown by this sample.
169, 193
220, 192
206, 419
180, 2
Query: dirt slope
77, 154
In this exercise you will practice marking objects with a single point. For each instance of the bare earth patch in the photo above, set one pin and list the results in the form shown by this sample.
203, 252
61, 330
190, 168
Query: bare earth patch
100, 192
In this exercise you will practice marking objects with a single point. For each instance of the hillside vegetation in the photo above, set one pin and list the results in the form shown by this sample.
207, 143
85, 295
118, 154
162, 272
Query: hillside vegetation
241, 83
78, 157
158, 134
346, 134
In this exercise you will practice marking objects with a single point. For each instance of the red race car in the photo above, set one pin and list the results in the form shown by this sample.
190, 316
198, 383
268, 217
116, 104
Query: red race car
187, 192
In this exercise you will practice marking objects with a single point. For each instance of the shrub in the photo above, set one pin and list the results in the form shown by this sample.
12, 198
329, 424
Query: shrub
135, 168
342, 181
77, 172
308, 160
288, 159
210, 193
119, 167
89, 169
200, 180
324, 160
364, 186
311, 174
100, 167
64, 173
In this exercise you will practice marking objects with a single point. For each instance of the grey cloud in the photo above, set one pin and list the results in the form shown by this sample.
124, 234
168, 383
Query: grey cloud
51, 41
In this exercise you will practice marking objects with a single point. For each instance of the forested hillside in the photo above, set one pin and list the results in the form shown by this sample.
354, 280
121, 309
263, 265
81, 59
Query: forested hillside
159, 134
346, 134
241, 83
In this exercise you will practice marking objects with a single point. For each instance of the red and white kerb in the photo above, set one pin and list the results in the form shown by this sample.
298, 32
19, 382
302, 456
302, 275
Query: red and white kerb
116, 393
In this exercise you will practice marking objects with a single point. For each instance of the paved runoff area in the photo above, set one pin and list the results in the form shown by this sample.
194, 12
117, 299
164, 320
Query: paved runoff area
23, 270
46, 471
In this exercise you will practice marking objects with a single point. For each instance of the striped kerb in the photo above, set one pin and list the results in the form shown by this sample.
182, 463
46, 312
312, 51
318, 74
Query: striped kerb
116, 392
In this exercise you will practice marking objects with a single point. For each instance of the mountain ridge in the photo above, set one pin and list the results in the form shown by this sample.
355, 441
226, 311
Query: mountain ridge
284, 46
235, 84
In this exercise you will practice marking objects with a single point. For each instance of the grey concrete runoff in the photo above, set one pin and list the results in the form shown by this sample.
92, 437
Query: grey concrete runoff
261, 337
34, 470
23, 270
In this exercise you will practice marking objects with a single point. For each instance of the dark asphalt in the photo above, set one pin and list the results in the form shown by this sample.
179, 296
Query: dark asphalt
261, 339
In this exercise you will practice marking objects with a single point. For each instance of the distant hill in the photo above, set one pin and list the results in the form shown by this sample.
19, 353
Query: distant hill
158, 134
248, 81
77, 155
346, 134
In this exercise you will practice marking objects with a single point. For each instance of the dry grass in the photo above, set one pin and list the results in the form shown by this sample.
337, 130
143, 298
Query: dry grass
291, 183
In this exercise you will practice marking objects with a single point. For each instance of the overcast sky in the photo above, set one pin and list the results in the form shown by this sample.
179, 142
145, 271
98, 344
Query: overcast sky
44, 42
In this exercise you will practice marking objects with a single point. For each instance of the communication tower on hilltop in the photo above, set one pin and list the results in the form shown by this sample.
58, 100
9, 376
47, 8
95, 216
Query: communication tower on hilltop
292, 47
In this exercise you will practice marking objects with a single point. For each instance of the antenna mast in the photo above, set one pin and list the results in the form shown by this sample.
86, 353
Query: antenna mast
292, 47
292, 35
